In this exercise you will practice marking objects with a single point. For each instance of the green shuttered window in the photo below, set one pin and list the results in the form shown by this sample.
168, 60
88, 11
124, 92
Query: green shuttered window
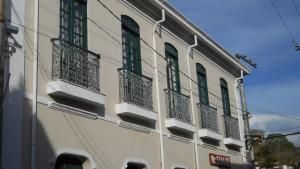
202, 84
173, 78
131, 45
73, 22
225, 97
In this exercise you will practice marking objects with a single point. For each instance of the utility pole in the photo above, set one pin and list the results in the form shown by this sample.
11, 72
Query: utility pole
245, 113
246, 116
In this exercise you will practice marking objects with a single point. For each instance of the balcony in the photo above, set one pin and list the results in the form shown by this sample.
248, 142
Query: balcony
135, 96
75, 73
232, 131
178, 112
208, 123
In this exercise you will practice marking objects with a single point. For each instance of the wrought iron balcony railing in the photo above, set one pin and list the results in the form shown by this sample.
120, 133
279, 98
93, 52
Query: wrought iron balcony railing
135, 89
208, 118
73, 64
231, 127
178, 106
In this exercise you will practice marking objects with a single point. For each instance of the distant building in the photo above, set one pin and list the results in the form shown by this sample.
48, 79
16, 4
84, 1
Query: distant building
91, 87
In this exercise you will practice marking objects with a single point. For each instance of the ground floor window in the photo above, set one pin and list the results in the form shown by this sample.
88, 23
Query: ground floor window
68, 162
135, 166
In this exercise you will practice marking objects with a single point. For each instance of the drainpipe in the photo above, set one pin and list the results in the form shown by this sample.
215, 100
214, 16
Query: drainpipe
242, 112
192, 100
34, 85
158, 91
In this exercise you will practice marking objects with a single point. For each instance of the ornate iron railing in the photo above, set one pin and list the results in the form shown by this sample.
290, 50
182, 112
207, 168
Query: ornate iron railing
208, 117
178, 106
135, 89
73, 64
231, 127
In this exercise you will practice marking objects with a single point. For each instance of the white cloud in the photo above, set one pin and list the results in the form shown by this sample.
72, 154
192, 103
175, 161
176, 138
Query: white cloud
277, 124
283, 99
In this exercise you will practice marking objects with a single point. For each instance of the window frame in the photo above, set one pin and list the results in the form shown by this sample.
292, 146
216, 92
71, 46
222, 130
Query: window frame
71, 22
225, 97
202, 80
173, 76
131, 34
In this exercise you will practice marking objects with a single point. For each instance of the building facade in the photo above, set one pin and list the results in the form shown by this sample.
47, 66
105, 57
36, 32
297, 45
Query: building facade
118, 84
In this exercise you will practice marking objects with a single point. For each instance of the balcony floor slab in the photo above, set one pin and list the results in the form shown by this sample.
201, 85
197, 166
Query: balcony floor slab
205, 133
131, 110
63, 89
172, 123
233, 142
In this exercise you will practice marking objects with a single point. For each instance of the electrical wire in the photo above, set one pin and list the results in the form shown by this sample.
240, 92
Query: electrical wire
283, 22
296, 7
282, 135
285, 129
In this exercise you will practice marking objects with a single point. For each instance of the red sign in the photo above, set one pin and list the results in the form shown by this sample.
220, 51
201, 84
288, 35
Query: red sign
219, 160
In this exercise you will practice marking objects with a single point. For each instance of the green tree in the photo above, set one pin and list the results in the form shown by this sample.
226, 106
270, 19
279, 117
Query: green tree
274, 150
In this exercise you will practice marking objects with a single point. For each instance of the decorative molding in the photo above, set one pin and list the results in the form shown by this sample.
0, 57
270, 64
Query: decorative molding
211, 147
233, 152
72, 110
40, 99
178, 138
135, 127
111, 119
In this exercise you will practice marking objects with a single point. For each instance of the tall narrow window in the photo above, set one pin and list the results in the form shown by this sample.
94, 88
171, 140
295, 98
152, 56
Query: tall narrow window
173, 78
202, 84
68, 162
225, 97
131, 45
73, 22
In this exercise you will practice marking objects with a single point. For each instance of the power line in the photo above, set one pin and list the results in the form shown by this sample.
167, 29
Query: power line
296, 7
283, 135
285, 129
283, 22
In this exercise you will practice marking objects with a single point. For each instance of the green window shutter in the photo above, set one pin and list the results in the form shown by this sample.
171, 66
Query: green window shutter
131, 45
202, 84
73, 22
225, 98
173, 76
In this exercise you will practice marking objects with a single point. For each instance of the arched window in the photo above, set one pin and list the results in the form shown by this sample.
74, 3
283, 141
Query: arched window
135, 166
73, 22
173, 79
202, 84
68, 162
225, 97
131, 45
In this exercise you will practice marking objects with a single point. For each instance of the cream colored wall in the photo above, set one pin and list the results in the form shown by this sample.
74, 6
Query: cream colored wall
109, 144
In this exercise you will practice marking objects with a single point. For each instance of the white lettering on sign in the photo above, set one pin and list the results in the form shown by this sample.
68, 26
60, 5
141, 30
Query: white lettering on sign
219, 160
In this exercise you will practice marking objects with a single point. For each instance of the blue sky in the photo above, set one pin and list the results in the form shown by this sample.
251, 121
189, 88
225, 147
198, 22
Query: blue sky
252, 27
